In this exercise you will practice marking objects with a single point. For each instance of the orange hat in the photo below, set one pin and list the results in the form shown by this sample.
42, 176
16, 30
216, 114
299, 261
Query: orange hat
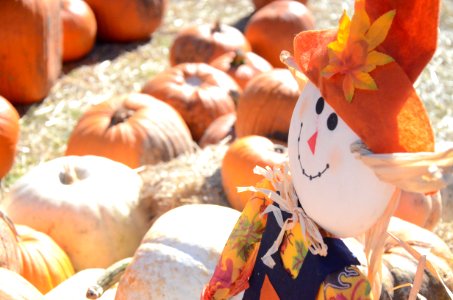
365, 70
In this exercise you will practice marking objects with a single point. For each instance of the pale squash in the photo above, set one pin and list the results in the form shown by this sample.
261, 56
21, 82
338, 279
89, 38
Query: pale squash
15, 287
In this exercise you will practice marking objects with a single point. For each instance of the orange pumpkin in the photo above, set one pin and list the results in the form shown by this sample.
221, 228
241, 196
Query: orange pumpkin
9, 135
239, 161
79, 29
272, 28
30, 51
266, 105
9, 249
260, 3
134, 129
44, 263
127, 20
219, 130
198, 91
206, 42
242, 66
15, 287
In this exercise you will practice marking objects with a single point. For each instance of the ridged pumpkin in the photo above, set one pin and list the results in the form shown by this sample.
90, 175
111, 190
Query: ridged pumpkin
30, 51
239, 161
127, 20
272, 28
198, 91
44, 263
15, 287
260, 3
242, 66
219, 130
9, 135
206, 42
9, 248
79, 29
266, 105
89, 205
134, 129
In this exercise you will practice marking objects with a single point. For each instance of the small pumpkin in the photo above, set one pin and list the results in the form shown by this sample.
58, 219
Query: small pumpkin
198, 91
219, 130
79, 29
178, 254
239, 161
260, 3
9, 248
206, 42
127, 20
272, 28
134, 129
44, 263
266, 105
9, 135
89, 205
242, 66
30, 51
13, 286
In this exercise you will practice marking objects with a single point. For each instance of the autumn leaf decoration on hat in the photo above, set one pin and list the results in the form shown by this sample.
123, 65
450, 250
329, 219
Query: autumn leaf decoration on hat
365, 69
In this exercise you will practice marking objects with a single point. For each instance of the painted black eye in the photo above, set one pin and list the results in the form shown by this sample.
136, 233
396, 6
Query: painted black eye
332, 121
319, 105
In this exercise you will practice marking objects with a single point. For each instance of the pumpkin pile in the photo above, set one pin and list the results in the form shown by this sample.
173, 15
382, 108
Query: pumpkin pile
112, 210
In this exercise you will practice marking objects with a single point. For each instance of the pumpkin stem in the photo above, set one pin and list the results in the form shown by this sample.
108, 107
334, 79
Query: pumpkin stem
111, 276
216, 27
120, 116
69, 174
238, 60
10, 224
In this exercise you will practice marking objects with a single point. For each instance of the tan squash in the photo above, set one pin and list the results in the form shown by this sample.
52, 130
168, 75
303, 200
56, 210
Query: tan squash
89, 205
198, 91
30, 51
239, 161
266, 105
134, 129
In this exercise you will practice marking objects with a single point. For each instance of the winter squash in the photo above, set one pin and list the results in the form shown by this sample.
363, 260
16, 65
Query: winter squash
79, 29
272, 29
260, 3
9, 249
422, 210
219, 130
134, 129
237, 165
14, 286
178, 253
127, 20
198, 91
30, 52
87, 204
44, 263
242, 66
206, 42
266, 105
9, 135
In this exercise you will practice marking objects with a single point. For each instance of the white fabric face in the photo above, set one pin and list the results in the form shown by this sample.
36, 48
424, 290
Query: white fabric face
339, 192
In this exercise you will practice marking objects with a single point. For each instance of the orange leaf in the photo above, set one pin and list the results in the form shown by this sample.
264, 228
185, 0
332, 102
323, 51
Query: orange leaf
379, 29
348, 88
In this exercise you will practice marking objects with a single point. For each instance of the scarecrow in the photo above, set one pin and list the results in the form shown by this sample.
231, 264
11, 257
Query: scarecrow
359, 134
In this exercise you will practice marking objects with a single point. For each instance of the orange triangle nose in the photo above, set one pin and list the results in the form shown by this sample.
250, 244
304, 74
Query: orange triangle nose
312, 142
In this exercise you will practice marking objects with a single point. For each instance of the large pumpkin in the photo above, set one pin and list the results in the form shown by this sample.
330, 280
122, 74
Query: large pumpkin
79, 29
9, 135
260, 3
44, 263
242, 66
87, 204
127, 20
239, 161
219, 130
9, 248
198, 91
206, 42
178, 254
30, 51
134, 129
15, 287
272, 28
266, 105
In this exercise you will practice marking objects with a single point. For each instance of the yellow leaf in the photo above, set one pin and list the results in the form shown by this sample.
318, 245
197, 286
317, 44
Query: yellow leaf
348, 88
379, 29
378, 58
364, 81
329, 70
343, 29
360, 23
